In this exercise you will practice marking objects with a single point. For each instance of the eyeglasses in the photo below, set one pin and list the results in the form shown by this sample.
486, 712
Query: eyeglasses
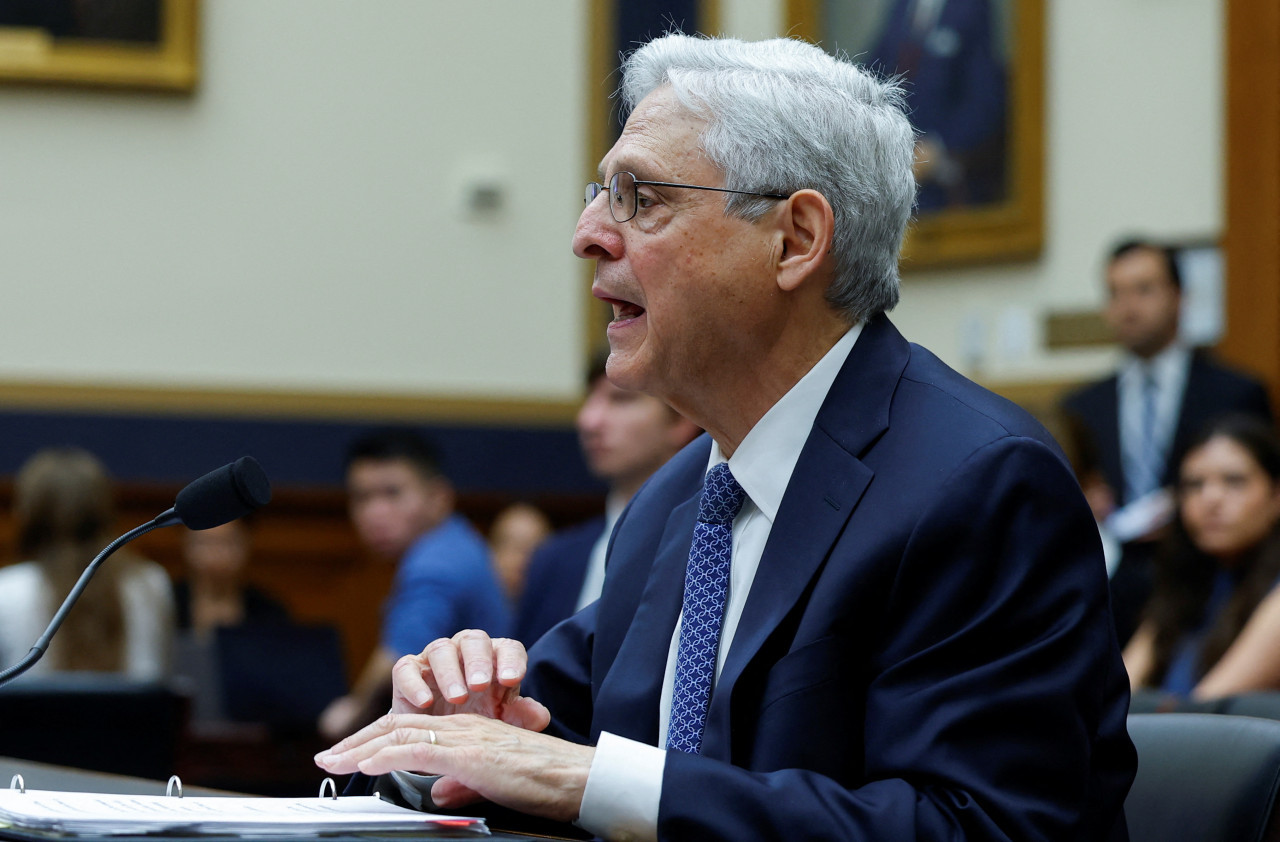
624, 201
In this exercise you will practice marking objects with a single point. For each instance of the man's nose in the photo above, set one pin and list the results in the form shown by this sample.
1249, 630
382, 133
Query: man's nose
597, 234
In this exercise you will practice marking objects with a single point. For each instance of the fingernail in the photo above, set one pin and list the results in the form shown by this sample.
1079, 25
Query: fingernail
423, 699
479, 678
456, 691
324, 758
507, 673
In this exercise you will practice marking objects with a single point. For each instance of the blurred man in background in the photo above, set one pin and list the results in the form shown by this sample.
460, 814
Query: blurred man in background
625, 437
403, 509
1135, 424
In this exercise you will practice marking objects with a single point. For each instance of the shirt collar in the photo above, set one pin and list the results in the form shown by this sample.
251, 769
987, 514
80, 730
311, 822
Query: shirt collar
1166, 366
763, 463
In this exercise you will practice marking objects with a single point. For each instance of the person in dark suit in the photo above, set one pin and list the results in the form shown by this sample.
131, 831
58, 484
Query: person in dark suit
870, 603
625, 437
1136, 423
946, 52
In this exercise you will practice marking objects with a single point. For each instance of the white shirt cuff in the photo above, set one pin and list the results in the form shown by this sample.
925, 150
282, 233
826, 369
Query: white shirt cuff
624, 787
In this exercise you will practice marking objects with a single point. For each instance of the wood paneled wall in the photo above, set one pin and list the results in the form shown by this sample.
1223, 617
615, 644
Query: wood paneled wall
305, 552
1252, 149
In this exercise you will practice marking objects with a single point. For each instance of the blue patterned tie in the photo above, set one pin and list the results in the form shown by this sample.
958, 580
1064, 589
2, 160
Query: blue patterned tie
706, 585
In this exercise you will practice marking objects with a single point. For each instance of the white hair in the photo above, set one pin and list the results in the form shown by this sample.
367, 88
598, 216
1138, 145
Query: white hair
783, 115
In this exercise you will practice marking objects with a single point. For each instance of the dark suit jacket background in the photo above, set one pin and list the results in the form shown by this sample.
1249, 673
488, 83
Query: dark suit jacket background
554, 579
926, 651
1213, 389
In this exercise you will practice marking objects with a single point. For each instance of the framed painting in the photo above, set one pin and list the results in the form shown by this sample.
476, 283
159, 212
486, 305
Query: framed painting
149, 44
973, 71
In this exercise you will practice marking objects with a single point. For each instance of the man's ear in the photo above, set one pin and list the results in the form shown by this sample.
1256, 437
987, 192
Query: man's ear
806, 226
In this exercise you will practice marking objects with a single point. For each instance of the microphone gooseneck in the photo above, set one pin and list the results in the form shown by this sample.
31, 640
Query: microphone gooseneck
218, 497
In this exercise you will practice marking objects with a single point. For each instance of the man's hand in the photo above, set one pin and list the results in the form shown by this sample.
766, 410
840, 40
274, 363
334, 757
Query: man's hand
479, 731
468, 673
477, 755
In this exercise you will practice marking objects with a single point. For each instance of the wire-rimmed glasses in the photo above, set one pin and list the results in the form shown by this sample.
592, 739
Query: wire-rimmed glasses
624, 201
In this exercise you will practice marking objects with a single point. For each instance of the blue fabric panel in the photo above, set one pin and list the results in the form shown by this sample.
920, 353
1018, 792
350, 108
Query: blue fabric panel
294, 452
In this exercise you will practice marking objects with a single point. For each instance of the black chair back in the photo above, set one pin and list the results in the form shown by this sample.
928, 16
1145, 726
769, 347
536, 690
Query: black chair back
89, 721
1204, 777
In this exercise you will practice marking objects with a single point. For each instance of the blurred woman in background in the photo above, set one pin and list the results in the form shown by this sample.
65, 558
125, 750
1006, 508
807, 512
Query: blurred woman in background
215, 594
1212, 627
123, 622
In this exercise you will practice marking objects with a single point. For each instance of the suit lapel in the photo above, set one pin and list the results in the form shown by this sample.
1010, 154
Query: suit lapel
630, 692
825, 487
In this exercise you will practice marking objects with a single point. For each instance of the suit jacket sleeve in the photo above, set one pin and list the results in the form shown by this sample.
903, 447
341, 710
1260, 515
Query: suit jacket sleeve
978, 714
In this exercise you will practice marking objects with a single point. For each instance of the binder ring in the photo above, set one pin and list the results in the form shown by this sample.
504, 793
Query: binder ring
18, 782
328, 784
174, 783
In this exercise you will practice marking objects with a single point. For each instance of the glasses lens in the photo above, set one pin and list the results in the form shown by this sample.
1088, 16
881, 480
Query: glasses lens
622, 196
593, 190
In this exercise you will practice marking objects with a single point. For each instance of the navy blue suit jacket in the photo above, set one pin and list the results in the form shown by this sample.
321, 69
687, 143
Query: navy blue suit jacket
554, 579
1212, 390
926, 651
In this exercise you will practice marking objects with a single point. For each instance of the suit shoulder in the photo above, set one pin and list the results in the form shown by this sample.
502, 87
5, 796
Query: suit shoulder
1211, 366
934, 394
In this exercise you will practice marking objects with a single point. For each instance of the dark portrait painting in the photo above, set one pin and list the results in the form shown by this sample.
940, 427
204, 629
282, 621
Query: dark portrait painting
952, 57
113, 43
137, 21
972, 73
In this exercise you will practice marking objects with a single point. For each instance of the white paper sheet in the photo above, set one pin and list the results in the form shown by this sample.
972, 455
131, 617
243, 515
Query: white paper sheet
103, 814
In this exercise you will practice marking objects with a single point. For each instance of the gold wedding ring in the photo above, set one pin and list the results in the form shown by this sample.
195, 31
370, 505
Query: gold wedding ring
431, 735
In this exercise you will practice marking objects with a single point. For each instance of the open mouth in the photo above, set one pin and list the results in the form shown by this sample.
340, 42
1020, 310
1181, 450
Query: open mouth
625, 311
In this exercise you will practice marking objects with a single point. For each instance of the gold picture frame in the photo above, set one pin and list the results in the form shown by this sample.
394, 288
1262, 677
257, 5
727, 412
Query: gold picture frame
168, 61
1011, 228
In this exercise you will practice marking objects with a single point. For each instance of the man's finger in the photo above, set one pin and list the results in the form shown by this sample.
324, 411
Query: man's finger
510, 661
409, 681
477, 658
528, 714
449, 793
386, 732
446, 666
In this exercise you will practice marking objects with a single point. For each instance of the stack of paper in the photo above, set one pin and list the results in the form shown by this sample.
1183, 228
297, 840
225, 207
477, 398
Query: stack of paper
85, 813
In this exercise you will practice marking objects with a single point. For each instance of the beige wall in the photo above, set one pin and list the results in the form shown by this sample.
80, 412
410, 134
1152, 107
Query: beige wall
301, 222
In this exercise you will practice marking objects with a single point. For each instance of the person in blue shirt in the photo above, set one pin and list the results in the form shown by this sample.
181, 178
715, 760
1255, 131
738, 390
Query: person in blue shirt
402, 507
1212, 627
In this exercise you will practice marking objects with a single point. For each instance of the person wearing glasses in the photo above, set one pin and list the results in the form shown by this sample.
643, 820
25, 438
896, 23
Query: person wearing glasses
869, 604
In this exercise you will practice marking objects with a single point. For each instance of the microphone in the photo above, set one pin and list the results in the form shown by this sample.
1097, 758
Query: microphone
218, 497
221, 496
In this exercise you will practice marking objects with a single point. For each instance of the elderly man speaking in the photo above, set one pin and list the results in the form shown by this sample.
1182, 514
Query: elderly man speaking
870, 603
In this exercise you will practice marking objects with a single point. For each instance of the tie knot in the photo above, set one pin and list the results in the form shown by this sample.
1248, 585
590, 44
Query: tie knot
721, 496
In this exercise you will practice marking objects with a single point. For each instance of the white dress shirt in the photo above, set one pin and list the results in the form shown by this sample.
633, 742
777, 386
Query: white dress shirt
625, 783
27, 603
593, 579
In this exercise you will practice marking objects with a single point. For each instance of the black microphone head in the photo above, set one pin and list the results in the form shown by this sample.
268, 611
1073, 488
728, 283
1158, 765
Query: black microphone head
223, 495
